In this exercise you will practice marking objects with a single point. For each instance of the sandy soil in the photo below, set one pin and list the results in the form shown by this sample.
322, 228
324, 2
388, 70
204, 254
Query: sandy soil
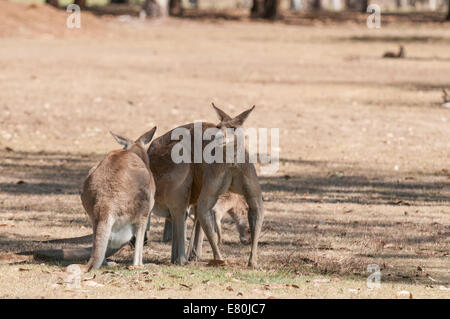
365, 148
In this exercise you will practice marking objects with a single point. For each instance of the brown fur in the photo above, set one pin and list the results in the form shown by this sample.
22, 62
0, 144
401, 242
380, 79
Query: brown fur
230, 203
180, 185
445, 96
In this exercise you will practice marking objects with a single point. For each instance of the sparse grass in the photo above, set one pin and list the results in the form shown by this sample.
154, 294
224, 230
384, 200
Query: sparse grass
163, 281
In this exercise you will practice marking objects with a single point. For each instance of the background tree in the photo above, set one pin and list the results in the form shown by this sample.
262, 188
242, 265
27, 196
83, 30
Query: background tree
81, 3
153, 9
364, 5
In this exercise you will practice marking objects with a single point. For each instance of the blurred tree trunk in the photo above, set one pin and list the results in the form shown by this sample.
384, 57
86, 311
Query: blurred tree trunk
448, 15
257, 9
55, 3
364, 5
271, 8
317, 5
402, 3
153, 8
119, 1
432, 4
175, 8
52, 2
266, 9
296, 5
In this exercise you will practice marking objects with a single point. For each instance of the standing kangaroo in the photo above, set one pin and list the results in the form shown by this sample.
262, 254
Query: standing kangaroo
230, 203
118, 195
179, 185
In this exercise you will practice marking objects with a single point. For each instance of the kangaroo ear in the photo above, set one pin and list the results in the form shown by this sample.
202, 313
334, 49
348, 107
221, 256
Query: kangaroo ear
241, 118
221, 114
126, 143
146, 137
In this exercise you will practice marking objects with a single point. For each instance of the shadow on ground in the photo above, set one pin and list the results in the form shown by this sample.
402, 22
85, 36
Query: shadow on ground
46, 174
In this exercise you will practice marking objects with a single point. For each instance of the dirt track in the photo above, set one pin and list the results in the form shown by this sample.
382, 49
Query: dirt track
365, 148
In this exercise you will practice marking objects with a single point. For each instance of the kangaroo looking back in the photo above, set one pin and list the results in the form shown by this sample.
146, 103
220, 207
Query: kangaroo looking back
400, 54
118, 195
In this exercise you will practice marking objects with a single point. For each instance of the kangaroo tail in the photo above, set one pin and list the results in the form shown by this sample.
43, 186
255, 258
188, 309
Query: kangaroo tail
101, 239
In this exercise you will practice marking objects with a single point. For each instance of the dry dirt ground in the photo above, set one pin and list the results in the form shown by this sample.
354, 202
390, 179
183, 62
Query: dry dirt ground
365, 147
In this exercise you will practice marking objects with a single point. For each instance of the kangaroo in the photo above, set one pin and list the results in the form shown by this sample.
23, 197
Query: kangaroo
400, 54
237, 208
179, 185
230, 203
118, 195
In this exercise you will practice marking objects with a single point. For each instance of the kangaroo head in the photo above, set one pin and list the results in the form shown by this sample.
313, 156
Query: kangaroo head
137, 146
227, 122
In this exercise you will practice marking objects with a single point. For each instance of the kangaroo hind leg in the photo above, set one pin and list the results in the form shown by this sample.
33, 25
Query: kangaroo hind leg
102, 234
